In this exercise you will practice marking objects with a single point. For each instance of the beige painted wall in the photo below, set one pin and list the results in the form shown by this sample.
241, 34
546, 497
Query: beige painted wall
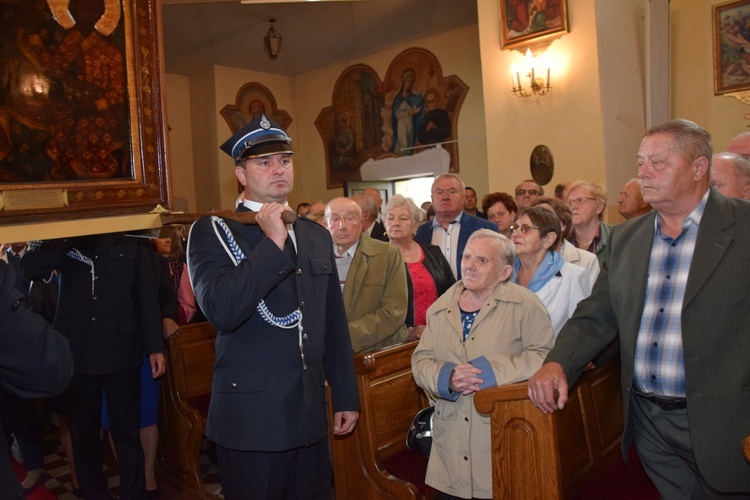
179, 150
568, 119
692, 74
593, 117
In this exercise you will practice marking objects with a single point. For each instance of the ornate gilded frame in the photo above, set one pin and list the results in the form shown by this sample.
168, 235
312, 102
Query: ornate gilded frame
144, 181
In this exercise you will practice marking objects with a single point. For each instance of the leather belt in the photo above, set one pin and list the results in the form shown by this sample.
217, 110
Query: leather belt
666, 404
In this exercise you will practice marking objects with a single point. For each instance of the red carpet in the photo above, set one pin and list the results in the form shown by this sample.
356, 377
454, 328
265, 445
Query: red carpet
40, 493
620, 481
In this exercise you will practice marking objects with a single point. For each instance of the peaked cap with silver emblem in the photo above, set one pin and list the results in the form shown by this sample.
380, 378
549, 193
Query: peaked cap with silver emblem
261, 137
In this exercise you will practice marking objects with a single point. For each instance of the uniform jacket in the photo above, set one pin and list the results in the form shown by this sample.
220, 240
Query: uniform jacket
375, 295
262, 397
509, 340
469, 224
110, 326
715, 331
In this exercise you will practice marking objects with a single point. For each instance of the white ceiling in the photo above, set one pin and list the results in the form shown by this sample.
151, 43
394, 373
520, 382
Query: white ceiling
203, 33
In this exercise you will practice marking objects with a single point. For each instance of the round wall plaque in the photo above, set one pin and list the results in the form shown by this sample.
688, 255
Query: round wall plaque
542, 164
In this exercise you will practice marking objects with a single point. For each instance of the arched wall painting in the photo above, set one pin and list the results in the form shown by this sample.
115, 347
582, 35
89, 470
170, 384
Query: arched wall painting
252, 100
414, 107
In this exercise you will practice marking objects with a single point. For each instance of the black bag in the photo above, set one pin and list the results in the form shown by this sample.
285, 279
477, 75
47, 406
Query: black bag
419, 438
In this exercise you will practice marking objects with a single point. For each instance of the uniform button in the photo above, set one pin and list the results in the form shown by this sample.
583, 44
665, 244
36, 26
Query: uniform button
655, 344
304, 336
299, 272
466, 458
93, 319
302, 304
94, 297
280, 273
466, 419
234, 385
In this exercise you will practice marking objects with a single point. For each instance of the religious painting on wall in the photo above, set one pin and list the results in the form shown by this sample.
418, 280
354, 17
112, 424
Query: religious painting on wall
413, 108
731, 27
529, 22
81, 123
253, 99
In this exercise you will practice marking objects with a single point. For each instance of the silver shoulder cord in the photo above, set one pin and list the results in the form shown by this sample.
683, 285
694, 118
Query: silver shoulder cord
291, 320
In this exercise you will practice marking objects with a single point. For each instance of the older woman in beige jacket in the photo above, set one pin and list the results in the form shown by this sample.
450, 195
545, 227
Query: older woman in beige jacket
483, 332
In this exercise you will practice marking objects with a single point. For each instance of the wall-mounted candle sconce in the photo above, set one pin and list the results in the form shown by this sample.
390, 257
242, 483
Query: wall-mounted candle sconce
537, 84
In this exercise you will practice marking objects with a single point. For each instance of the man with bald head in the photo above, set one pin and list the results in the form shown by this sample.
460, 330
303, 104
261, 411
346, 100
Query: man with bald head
370, 213
372, 277
730, 175
740, 144
631, 202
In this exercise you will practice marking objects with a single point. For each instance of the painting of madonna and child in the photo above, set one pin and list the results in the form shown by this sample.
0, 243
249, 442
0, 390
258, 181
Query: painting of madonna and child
413, 108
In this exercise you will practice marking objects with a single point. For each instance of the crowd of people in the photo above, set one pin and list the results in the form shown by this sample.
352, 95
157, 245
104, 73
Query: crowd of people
115, 298
529, 287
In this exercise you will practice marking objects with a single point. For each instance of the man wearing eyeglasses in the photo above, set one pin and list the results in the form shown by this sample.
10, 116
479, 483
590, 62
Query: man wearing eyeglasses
271, 290
676, 294
527, 192
373, 279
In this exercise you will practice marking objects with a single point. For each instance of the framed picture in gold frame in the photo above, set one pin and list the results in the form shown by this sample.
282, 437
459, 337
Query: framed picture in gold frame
731, 30
82, 130
525, 23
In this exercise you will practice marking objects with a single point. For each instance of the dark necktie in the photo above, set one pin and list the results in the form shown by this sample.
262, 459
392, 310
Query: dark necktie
289, 249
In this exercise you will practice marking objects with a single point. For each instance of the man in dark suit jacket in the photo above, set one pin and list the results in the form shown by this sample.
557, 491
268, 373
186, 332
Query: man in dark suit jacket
108, 309
448, 199
676, 287
371, 224
272, 292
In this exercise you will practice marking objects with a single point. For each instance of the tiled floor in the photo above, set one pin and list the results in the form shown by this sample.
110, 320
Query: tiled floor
58, 470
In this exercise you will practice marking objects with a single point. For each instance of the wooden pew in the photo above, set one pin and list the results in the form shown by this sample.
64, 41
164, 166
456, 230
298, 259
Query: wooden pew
390, 399
184, 399
552, 456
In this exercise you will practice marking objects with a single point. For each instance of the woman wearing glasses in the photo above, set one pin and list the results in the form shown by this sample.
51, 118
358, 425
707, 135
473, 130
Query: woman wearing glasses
541, 269
587, 201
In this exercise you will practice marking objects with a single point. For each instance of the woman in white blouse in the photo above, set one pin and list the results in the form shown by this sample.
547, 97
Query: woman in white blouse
538, 267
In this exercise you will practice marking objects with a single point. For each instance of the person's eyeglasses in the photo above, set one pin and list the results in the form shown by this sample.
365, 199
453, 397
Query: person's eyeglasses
530, 192
524, 228
334, 220
578, 201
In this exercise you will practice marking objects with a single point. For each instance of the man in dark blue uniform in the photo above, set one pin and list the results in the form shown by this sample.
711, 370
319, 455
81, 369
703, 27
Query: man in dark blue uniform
272, 292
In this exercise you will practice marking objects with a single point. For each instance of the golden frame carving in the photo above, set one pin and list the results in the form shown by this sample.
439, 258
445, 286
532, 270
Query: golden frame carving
140, 179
